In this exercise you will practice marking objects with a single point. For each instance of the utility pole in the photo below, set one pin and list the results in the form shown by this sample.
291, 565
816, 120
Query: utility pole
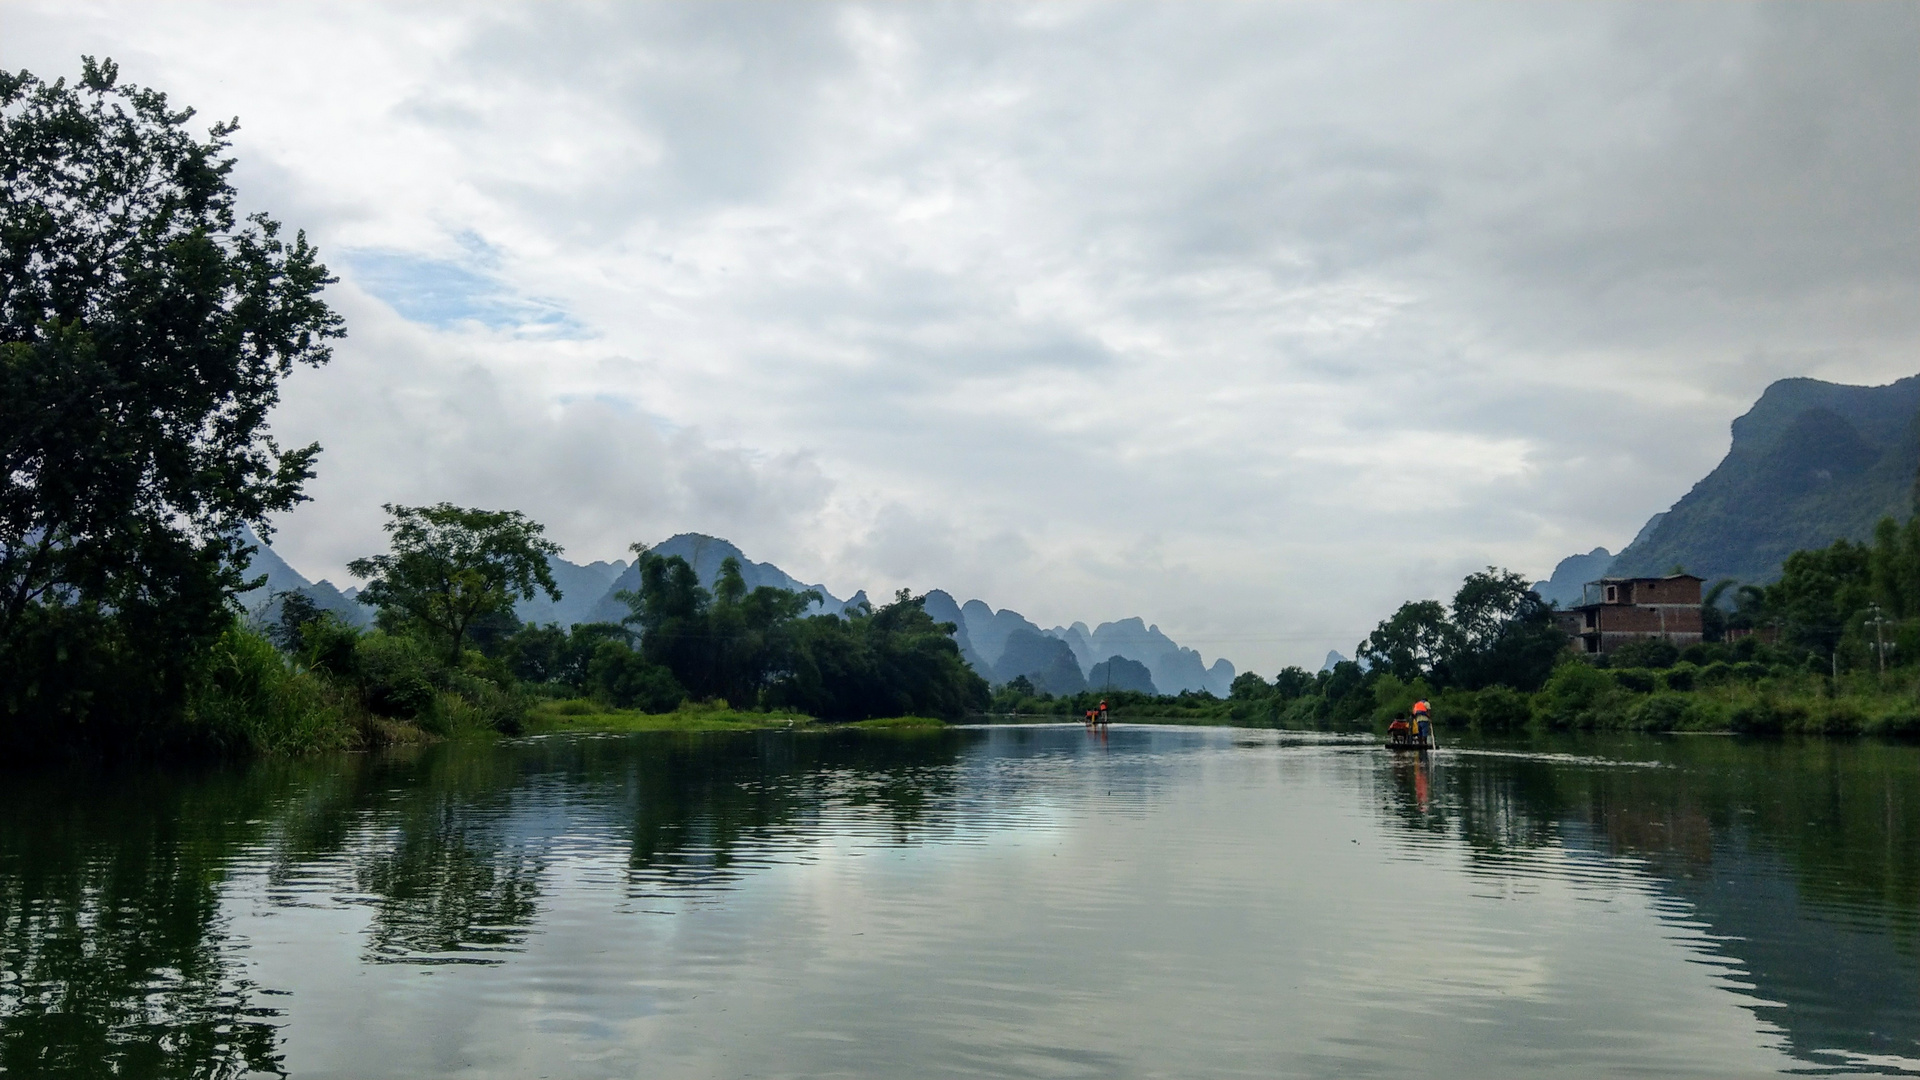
1879, 622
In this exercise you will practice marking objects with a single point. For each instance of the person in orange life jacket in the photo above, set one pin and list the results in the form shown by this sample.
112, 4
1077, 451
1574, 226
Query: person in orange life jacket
1423, 718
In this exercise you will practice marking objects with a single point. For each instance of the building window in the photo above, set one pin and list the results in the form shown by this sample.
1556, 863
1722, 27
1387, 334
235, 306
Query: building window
1613, 594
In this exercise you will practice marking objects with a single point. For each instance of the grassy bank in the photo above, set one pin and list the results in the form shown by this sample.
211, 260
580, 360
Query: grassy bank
582, 715
1745, 697
349, 690
585, 715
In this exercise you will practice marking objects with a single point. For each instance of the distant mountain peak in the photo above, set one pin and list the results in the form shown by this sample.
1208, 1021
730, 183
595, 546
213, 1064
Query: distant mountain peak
999, 644
1810, 462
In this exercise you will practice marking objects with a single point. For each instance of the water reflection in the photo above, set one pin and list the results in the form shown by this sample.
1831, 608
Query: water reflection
1796, 865
1802, 860
113, 957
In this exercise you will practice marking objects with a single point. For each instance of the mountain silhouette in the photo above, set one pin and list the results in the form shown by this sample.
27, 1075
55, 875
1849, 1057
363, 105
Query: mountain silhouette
1810, 463
1001, 645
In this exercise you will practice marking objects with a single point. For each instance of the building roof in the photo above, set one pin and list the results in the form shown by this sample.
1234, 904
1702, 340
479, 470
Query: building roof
1667, 577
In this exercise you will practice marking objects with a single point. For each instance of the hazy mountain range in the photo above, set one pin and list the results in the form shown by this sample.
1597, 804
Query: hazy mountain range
1810, 463
1001, 645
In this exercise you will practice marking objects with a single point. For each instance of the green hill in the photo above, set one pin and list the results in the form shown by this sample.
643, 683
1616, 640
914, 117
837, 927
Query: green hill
1811, 462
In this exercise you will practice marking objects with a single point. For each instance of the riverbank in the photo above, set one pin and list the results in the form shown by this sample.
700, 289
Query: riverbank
584, 716
1745, 698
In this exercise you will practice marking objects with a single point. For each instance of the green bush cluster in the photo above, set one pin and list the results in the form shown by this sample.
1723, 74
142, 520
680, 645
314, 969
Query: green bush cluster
685, 643
251, 699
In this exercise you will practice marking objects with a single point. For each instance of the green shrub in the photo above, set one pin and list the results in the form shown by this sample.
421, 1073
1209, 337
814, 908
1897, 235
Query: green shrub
1307, 713
1765, 716
1751, 671
1576, 695
1637, 680
1838, 718
1900, 722
488, 703
1646, 653
1702, 653
396, 675
1680, 677
1708, 714
1718, 673
330, 646
623, 678
482, 708
248, 700
1660, 712
1393, 698
1500, 708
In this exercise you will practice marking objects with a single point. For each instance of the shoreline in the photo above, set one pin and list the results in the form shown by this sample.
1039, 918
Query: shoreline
581, 716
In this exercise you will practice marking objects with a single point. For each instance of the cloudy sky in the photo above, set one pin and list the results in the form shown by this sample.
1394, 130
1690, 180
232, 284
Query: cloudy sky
1253, 320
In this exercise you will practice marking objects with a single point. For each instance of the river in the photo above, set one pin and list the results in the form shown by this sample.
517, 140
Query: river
1002, 901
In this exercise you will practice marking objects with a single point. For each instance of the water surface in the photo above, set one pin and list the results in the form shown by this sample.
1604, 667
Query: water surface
1008, 901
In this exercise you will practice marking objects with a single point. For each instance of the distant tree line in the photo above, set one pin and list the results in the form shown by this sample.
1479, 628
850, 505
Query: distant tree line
1831, 647
445, 594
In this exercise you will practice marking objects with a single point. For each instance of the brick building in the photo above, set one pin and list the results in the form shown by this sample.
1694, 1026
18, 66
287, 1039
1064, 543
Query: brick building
1619, 610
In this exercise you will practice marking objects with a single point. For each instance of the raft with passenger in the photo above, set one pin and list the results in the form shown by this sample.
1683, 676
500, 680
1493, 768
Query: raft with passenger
1415, 732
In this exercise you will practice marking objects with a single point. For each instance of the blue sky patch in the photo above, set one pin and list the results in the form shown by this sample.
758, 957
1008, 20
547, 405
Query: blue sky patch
446, 295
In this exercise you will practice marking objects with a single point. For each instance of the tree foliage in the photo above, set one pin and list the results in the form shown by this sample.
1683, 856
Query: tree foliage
1894, 566
145, 328
1497, 632
450, 566
1412, 643
896, 661
1819, 592
753, 648
727, 644
1505, 633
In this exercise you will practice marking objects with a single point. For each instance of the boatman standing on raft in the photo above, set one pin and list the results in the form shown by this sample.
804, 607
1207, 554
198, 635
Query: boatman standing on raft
1423, 720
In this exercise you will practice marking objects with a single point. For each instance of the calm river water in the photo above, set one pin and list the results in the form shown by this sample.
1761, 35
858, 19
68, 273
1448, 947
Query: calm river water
1005, 901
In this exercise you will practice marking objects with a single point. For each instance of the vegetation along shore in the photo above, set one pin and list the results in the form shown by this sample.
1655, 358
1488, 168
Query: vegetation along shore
1831, 648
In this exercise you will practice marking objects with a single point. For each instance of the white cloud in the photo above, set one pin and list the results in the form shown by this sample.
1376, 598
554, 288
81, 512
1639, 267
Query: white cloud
1248, 319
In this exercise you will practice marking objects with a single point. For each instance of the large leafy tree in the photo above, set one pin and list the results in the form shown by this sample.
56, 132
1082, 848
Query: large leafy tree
752, 633
729, 642
1497, 632
1895, 566
1505, 633
669, 610
450, 566
145, 328
892, 662
1820, 591
1413, 643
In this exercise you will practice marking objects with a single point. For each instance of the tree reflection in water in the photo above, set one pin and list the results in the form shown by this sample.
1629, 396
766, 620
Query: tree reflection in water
1803, 857
115, 959
112, 954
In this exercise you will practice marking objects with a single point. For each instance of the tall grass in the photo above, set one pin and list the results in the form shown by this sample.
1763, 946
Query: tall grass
250, 700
